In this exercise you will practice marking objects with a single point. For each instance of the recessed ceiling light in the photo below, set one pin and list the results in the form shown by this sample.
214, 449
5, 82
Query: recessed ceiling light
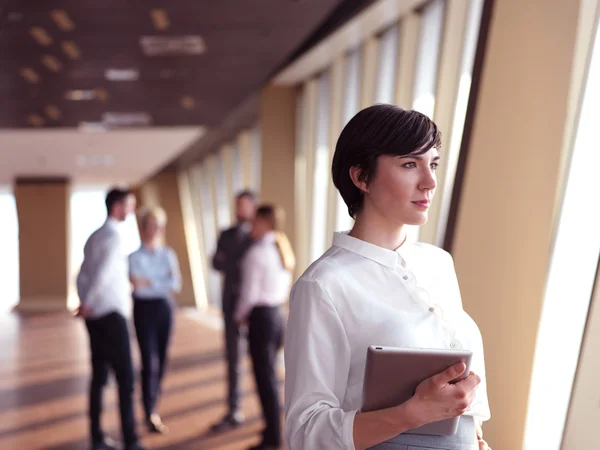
71, 50
160, 19
35, 120
62, 20
30, 75
101, 94
126, 119
188, 102
92, 127
80, 94
41, 36
122, 74
172, 45
51, 63
53, 112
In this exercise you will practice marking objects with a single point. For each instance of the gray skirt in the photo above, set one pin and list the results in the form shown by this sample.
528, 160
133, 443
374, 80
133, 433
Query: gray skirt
464, 439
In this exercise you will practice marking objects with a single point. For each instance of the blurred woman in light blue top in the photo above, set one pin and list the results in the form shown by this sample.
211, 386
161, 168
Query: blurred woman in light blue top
154, 273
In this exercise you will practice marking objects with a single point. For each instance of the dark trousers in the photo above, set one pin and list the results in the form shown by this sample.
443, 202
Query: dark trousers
265, 336
153, 319
232, 350
109, 343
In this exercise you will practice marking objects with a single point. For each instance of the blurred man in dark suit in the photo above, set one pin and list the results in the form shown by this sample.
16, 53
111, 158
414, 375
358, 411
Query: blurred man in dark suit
231, 247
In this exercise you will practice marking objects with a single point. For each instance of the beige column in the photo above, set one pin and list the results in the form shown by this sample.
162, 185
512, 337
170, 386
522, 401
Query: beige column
504, 225
408, 38
277, 125
44, 235
304, 157
368, 72
163, 190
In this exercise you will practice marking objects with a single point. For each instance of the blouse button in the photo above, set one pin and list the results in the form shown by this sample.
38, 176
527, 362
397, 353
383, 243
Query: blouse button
405, 277
432, 309
452, 345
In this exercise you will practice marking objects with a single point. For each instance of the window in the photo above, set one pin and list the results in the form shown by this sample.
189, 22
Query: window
428, 55
386, 75
460, 112
343, 221
9, 257
571, 279
210, 233
256, 158
236, 164
318, 239
223, 201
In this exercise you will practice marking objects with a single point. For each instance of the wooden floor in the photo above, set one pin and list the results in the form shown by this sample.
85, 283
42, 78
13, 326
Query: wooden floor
44, 377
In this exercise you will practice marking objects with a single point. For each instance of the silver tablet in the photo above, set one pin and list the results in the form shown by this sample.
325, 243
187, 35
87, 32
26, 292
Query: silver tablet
392, 375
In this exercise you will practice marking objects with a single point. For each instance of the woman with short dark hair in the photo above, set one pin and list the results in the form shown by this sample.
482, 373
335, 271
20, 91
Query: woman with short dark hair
373, 287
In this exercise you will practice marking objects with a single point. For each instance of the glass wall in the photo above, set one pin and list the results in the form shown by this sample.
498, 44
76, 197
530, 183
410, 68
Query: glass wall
9, 256
321, 171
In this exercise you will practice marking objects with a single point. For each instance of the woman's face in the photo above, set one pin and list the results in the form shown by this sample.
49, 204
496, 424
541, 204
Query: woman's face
403, 187
260, 226
152, 229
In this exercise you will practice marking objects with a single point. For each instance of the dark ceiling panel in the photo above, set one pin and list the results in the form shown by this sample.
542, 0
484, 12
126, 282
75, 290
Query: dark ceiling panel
246, 41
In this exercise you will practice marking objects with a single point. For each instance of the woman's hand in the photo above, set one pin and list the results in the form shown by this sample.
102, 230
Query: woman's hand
437, 398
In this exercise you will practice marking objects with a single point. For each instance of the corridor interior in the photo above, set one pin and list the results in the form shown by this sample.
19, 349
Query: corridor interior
44, 376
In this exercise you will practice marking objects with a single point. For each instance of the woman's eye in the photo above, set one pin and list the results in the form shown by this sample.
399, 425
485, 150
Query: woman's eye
410, 165
434, 166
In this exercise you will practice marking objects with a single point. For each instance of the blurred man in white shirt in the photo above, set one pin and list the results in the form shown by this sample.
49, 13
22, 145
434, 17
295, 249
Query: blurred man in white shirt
104, 291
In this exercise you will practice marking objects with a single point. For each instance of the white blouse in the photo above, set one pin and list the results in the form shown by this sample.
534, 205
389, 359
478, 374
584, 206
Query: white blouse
356, 295
265, 282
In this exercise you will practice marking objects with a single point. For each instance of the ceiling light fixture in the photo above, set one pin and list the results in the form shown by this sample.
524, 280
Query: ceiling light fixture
71, 50
51, 63
126, 119
172, 45
80, 94
62, 20
30, 75
101, 94
92, 127
160, 19
41, 36
53, 112
122, 74
188, 102
35, 120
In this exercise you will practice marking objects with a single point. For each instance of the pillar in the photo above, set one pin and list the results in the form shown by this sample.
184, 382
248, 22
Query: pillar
43, 214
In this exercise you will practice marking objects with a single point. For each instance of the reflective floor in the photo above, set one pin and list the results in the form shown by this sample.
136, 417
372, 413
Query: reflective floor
44, 374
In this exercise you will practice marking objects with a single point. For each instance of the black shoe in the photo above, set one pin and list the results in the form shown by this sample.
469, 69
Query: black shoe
156, 425
230, 421
106, 444
135, 446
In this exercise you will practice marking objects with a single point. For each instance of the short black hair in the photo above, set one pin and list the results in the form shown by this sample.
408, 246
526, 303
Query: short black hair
246, 193
378, 130
114, 196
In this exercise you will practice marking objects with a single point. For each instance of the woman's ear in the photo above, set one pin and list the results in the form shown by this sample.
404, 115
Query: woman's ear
355, 175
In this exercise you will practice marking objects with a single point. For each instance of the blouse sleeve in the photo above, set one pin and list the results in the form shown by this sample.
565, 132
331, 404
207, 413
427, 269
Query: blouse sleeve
317, 360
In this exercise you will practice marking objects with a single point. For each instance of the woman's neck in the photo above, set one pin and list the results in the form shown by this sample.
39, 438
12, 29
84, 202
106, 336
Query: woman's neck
150, 245
378, 230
